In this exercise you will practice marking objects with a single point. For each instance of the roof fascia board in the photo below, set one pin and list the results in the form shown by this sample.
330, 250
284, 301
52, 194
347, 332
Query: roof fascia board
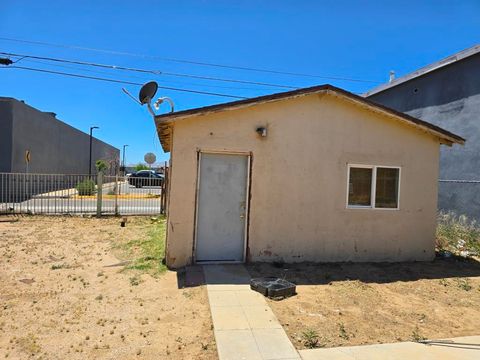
167, 120
173, 118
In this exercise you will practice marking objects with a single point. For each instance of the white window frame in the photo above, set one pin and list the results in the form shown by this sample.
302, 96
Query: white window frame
373, 189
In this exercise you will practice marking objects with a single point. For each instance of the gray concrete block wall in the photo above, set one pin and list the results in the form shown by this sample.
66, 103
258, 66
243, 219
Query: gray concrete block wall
55, 147
450, 98
5, 135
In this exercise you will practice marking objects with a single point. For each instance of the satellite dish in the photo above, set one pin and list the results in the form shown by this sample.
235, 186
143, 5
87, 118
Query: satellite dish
150, 158
147, 92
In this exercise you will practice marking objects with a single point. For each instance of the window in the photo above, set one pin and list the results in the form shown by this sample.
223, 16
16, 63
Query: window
373, 186
360, 187
386, 188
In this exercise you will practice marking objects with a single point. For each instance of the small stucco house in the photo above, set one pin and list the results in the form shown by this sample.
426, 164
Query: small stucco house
316, 174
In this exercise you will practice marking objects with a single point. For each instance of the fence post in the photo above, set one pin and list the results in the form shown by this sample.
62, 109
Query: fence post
99, 193
116, 194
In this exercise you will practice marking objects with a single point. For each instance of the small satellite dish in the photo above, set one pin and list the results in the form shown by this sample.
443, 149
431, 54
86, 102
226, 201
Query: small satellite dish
147, 92
150, 158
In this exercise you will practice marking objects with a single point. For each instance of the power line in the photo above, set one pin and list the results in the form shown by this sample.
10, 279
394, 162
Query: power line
123, 82
154, 72
243, 68
70, 67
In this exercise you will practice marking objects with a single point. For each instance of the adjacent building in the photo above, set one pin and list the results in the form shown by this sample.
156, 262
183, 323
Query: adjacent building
36, 141
316, 174
446, 93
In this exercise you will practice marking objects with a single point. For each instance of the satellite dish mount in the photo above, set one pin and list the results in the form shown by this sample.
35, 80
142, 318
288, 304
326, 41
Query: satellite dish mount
146, 95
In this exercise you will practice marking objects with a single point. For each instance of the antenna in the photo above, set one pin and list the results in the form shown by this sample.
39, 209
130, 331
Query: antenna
131, 96
391, 76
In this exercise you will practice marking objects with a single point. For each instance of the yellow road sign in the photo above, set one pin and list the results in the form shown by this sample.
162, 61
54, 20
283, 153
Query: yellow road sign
27, 156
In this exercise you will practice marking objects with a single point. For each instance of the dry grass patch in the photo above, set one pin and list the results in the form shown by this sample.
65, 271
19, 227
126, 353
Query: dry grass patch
458, 235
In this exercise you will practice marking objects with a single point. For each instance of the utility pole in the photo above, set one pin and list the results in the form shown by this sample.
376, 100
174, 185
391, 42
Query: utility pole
123, 160
90, 157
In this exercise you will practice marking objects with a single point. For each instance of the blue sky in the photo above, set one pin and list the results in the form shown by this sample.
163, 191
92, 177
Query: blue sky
348, 39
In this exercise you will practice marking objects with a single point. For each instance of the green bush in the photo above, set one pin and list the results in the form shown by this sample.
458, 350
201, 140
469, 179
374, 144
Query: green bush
86, 187
458, 234
141, 166
101, 165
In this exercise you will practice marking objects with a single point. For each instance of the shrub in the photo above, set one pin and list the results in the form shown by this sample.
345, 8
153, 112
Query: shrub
458, 234
101, 165
86, 187
141, 166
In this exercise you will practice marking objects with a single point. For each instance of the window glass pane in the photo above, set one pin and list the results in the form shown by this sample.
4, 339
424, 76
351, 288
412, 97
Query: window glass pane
387, 188
360, 187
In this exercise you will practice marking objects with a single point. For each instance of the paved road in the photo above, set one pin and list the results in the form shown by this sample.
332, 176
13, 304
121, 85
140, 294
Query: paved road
57, 203
63, 206
125, 188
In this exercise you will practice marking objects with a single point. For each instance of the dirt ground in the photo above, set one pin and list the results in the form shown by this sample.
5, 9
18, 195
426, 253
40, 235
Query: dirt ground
64, 295
354, 304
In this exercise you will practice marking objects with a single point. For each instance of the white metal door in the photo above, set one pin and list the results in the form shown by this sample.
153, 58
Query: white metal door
221, 207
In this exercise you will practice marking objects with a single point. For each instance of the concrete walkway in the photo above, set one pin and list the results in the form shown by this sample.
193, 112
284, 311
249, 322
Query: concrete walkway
244, 325
462, 348
246, 329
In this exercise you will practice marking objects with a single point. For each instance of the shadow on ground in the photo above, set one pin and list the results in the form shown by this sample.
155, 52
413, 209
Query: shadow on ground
325, 273
319, 274
452, 344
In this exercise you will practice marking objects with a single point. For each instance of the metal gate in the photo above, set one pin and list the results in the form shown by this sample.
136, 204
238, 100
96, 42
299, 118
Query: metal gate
81, 194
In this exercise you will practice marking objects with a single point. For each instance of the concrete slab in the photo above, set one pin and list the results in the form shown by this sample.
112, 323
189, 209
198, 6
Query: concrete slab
245, 327
236, 345
399, 351
261, 317
274, 344
223, 298
226, 275
464, 348
222, 287
324, 354
194, 276
229, 318
461, 348
250, 298
194, 268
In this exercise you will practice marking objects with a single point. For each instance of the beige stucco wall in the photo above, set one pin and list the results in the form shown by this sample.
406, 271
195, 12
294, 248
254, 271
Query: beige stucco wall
299, 181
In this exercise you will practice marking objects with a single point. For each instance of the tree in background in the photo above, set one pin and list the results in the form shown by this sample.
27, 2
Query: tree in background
141, 166
101, 165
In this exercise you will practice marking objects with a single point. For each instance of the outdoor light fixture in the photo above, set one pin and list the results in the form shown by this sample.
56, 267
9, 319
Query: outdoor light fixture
262, 131
160, 100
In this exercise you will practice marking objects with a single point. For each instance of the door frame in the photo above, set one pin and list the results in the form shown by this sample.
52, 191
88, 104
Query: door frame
247, 204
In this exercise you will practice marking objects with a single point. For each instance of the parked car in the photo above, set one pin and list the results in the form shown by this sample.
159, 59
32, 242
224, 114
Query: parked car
145, 178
